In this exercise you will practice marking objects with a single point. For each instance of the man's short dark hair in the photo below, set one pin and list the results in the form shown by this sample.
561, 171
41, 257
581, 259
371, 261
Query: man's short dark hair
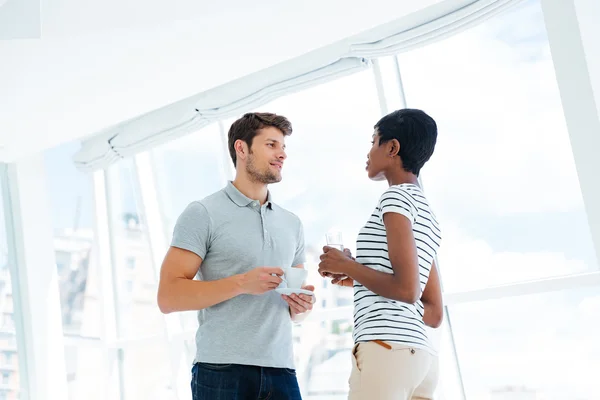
247, 127
415, 131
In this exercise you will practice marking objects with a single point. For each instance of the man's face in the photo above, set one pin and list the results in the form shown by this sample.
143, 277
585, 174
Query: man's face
266, 156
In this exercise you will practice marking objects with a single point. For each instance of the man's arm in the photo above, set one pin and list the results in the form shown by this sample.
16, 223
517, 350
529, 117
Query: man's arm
432, 300
177, 291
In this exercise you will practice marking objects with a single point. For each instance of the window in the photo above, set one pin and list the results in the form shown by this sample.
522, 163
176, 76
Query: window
72, 206
60, 267
85, 373
189, 169
139, 315
130, 263
9, 331
128, 287
325, 184
148, 373
145, 359
324, 363
502, 179
7, 321
542, 345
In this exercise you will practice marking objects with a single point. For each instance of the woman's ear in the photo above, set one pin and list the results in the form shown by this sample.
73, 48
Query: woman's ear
394, 147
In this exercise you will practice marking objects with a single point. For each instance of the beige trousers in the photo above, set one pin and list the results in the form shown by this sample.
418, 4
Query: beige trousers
394, 372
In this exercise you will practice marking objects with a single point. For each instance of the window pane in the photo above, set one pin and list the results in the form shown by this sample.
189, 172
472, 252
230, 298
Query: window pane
71, 197
536, 346
9, 362
324, 179
148, 373
323, 360
502, 179
325, 184
189, 169
85, 372
138, 314
186, 170
449, 382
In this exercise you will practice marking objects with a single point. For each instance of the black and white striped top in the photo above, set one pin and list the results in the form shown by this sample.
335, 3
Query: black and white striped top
380, 318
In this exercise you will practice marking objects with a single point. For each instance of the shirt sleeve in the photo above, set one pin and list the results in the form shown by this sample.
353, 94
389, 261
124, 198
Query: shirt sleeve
299, 257
192, 230
397, 200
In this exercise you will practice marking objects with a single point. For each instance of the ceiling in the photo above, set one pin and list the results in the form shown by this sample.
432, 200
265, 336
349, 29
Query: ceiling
82, 65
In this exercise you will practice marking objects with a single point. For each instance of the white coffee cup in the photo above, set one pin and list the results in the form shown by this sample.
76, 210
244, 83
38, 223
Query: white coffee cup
295, 277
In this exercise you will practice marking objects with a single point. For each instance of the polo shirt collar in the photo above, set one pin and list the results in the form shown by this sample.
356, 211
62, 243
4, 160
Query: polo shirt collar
240, 199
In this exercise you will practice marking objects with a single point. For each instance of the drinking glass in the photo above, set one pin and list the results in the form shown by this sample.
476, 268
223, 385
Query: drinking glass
334, 239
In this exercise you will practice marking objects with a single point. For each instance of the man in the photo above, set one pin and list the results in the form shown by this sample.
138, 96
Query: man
239, 243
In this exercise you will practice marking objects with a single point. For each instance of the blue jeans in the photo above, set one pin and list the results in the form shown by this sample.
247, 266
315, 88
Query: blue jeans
243, 382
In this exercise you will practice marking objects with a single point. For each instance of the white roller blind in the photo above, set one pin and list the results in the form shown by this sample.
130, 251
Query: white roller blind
440, 28
322, 65
195, 112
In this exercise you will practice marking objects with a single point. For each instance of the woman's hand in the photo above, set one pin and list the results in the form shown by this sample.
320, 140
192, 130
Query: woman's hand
348, 253
342, 280
334, 262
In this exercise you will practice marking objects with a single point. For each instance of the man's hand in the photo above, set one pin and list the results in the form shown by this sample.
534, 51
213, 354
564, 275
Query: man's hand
334, 262
300, 303
260, 280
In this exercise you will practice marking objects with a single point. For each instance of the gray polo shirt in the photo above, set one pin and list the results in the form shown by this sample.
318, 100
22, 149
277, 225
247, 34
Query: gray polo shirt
234, 234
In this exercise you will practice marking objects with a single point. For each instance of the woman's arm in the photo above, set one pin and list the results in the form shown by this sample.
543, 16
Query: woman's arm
398, 212
403, 284
432, 300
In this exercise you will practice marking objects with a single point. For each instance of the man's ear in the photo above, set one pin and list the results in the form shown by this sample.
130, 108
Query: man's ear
241, 149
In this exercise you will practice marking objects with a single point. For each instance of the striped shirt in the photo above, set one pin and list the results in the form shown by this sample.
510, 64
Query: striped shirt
380, 318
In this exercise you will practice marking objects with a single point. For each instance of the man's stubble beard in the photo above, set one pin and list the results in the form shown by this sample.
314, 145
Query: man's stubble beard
256, 175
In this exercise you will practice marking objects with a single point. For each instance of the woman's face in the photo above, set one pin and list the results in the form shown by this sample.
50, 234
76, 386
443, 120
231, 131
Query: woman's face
377, 159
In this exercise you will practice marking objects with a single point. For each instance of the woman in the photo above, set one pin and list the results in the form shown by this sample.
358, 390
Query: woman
396, 285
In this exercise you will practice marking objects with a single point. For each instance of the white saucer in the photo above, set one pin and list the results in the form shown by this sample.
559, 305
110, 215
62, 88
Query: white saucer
289, 291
